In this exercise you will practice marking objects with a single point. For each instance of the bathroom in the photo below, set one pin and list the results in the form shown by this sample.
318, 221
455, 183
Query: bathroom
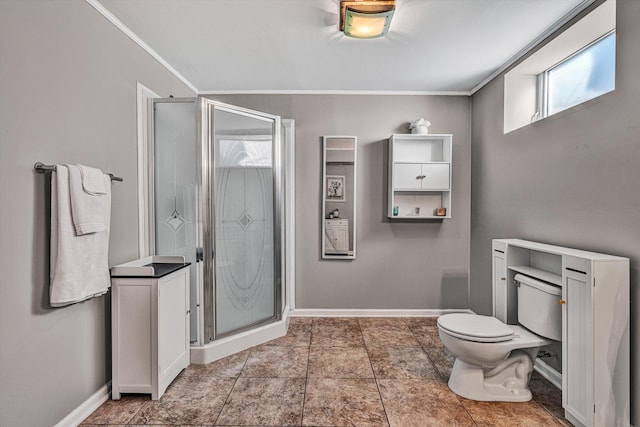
68, 81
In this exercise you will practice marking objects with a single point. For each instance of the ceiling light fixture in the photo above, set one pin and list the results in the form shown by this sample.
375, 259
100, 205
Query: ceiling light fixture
366, 19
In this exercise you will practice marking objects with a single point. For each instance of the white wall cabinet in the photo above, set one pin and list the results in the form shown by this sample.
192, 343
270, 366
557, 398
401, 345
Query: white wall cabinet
336, 234
595, 323
150, 324
419, 176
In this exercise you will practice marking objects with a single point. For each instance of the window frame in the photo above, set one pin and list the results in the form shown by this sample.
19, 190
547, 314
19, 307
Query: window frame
542, 81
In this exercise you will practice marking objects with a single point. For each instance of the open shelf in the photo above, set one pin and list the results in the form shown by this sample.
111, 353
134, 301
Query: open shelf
536, 273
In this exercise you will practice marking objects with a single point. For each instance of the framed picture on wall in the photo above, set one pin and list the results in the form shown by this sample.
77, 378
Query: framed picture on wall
335, 188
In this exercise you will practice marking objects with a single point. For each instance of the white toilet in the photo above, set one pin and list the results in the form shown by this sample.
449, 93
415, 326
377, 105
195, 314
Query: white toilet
494, 360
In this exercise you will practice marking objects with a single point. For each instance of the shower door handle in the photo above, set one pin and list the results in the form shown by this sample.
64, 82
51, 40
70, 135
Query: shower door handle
199, 255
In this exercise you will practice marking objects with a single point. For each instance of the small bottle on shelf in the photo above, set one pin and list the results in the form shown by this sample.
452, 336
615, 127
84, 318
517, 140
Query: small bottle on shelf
395, 211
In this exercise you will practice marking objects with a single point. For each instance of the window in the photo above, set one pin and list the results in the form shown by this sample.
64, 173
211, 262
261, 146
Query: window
584, 75
574, 66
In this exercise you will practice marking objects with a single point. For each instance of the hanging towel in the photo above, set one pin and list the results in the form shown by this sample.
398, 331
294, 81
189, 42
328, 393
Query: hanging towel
79, 264
88, 198
93, 180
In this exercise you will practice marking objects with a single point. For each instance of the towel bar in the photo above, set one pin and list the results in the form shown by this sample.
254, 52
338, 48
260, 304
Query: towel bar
42, 168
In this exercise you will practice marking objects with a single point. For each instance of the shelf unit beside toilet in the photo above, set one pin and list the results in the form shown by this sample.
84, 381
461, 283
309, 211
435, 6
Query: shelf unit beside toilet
595, 323
419, 176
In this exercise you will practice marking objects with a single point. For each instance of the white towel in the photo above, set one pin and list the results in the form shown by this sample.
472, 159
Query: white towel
87, 199
92, 180
79, 264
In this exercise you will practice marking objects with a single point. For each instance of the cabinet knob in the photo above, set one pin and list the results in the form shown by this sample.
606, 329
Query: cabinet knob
562, 301
503, 278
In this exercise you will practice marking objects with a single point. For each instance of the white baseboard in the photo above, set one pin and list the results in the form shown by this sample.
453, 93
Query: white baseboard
548, 372
227, 346
339, 312
86, 408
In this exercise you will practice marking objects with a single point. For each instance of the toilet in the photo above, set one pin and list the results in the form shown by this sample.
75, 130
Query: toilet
494, 360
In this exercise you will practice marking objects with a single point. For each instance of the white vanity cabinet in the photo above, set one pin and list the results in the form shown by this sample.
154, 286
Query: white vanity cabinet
419, 176
595, 323
336, 234
149, 324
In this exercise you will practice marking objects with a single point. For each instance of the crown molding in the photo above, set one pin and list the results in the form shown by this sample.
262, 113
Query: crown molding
133, 36
334, 92
538, 40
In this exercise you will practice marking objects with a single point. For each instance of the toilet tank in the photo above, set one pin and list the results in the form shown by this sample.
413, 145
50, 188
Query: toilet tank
539, 308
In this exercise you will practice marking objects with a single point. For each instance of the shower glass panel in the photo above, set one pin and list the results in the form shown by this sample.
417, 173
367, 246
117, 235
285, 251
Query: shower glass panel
174, 185
246, 240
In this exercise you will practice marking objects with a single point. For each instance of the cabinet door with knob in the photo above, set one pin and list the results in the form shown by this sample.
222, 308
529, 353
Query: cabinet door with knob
421, 176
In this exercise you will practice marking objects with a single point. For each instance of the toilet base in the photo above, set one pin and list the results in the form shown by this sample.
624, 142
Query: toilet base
507, 382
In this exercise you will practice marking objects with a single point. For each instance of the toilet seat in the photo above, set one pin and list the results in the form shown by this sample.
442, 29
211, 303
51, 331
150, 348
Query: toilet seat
475, 327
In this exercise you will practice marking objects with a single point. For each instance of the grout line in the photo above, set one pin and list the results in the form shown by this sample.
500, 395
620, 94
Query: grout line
306, 378
232, 387
375, 377
465, 409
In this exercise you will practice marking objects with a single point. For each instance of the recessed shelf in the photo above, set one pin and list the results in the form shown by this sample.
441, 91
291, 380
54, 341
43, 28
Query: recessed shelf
536, 273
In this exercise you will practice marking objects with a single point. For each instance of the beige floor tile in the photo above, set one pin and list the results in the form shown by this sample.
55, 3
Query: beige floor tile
509, 414
389, 336
549, 396
264, 402
190, 400
339, 362
381, 321
402, 362
300, 320
228, 367
419, 403
342, 402
298, 335
421, 321
277, 362
336, 335
427, 335
115, 412
336, 321
442, 359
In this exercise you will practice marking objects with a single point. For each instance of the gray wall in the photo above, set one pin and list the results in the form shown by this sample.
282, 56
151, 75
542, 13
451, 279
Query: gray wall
399, 265
67, 94
571, 179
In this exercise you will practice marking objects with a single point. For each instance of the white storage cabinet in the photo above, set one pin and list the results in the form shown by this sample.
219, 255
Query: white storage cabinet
149, 324
419, 176
595, 323
336, 235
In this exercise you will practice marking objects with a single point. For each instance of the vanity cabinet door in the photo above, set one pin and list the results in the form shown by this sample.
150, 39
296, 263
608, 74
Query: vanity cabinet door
577, 346
499, 285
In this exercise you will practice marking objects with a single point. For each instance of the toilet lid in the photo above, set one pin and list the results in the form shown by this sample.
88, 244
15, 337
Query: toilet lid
475, 327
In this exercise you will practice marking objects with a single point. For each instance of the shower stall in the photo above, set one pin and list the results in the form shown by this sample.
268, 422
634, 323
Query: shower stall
217, 179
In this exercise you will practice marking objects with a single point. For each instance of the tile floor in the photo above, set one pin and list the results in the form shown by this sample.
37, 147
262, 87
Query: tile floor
332, 372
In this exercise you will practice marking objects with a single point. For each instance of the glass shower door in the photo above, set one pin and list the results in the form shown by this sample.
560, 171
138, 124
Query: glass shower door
174, 188
243, 224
